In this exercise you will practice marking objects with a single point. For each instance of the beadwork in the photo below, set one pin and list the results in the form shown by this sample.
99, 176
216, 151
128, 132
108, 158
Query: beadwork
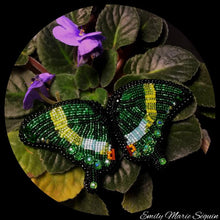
141, 114
135, 119
78, 131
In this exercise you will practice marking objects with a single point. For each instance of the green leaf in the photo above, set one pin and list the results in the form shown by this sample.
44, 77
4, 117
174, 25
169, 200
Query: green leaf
139, 197
184, 138
80, 16
13, 124
53, 162
150, 26
99, 95
61, 187
17, 86
88, 203
202, 88
66, 86
119, 24
207, 112
106, 65
86, 77
126, 79
27, 157
55, 56
164, 62
164, 34
124, 178
186, 112
28, 50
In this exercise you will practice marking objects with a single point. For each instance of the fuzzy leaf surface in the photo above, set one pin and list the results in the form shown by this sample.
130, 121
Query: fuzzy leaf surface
53, 162
54, 55
123, 178
86, 77
61, 187
164, 62
27, 157
18, 84
184, 138
203, 89
106, 66
65, 85
89, 203
99, 95
80, 16
139, 196
119, 24
150, 26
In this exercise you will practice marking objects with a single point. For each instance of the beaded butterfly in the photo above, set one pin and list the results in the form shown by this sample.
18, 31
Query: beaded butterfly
135, 120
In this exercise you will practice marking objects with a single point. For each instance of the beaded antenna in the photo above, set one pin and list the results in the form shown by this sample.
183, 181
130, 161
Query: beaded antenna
135, 121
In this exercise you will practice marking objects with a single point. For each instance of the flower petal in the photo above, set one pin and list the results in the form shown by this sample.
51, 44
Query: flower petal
45, 77
88, 45
82, 59
67, 23
32, 93
95, 35
67, 32
29, 98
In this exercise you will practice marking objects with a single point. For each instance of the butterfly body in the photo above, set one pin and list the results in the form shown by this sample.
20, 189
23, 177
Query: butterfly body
134, 121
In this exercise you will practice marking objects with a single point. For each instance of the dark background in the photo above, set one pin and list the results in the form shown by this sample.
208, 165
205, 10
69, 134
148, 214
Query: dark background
187, 185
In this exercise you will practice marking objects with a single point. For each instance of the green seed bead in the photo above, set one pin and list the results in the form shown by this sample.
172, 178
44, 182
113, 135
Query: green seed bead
157, 133
136, 154
159, 122
162, 161
89, 160
78, 156
71, 150
107, 162
93, 185
98, 165
148, 149
150, 140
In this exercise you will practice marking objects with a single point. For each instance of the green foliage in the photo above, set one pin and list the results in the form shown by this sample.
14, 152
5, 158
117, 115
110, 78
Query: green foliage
99, 95
124, 178
80, 16
16, 89
88, 203
106, 66
53, 162
65, 84
120, 24
23, 57
139, 197
150, 26
184, 138
164, 62
86, 77
27, 157
202, 88
55, 56
61, 187
135, 48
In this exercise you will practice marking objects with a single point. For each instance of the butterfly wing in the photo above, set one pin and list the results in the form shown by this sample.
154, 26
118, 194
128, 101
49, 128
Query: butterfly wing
77, 130
140, 113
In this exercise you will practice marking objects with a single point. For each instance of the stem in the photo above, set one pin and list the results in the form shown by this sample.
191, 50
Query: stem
35, 66
57, 94
50, 101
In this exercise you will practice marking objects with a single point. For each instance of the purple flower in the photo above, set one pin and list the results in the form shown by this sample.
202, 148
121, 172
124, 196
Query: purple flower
89, 45
38, 84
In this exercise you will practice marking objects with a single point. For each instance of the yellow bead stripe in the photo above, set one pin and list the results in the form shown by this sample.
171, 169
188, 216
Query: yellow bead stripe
61, 125
150, 102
